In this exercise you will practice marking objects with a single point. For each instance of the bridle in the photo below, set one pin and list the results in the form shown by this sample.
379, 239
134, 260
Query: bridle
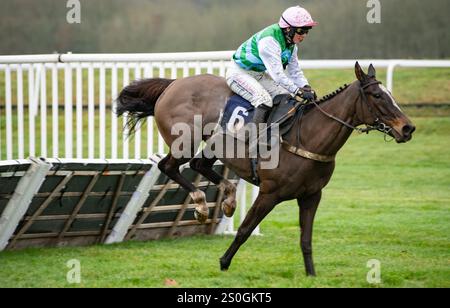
378, 125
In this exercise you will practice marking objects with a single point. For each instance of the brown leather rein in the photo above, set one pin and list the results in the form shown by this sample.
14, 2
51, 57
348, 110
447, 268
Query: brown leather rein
378, 125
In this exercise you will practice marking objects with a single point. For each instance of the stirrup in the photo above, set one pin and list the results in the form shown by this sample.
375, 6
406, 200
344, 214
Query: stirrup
254, 167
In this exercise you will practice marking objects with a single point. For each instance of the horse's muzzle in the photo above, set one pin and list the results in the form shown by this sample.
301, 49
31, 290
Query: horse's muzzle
406, 133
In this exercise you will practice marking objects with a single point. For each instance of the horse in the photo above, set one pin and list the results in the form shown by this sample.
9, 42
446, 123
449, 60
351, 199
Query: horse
306, 157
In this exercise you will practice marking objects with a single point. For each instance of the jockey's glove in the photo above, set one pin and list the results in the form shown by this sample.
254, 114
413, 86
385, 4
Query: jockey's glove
306, 93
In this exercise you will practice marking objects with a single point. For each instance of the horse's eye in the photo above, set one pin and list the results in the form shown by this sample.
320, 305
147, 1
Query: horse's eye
377, 95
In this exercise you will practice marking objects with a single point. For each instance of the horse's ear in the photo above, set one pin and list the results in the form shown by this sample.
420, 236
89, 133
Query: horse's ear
360, 73
371, 73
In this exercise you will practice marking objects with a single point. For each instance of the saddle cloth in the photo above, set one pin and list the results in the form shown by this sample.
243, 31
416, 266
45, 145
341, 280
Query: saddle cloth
239, 112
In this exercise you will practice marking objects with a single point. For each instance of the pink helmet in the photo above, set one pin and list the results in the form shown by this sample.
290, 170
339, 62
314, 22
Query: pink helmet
297, 17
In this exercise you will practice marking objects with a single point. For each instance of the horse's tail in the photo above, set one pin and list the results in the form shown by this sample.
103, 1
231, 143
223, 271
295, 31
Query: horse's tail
139, 98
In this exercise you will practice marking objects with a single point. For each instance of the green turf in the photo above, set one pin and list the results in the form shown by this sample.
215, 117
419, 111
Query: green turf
386, 201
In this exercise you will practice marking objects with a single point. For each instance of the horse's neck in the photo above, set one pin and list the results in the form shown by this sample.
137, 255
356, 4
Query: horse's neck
322, 135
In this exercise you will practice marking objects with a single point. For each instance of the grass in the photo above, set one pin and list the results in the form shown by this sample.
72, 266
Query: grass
385, 201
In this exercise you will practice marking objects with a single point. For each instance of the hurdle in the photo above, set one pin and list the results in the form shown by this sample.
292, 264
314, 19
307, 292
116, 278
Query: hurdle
72, 202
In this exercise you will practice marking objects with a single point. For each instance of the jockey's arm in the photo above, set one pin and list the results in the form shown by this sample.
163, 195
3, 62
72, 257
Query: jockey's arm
295, 71
269, 51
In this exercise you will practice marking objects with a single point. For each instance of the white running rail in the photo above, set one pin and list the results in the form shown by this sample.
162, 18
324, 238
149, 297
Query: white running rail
52, 103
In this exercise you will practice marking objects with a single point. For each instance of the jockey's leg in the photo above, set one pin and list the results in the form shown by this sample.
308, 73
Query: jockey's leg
271, 86
247, 84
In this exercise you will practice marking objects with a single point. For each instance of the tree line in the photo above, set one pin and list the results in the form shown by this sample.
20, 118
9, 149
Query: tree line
408, 28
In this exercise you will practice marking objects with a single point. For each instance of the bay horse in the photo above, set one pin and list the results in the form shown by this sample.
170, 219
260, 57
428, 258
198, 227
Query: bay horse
324, 129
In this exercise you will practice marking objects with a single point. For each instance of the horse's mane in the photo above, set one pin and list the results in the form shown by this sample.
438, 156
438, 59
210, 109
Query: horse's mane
325, 98
333, 94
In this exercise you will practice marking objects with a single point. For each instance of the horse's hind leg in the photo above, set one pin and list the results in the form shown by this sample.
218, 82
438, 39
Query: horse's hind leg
171, 167
262, 206
205, 167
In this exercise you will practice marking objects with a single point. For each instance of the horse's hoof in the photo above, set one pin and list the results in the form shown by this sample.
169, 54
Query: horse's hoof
228, 208
310, 272
201, 215
224, 266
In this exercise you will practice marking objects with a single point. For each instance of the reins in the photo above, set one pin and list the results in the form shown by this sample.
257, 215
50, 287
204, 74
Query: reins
378, 126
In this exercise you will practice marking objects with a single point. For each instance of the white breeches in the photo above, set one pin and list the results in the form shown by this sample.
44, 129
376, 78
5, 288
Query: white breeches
256, 87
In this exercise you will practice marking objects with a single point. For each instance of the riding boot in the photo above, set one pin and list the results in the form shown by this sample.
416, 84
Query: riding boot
259, 117
261, 113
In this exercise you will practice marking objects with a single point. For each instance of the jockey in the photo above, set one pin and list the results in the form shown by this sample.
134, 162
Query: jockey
267, 64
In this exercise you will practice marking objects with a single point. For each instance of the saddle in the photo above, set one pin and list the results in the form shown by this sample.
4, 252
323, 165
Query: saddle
284, 112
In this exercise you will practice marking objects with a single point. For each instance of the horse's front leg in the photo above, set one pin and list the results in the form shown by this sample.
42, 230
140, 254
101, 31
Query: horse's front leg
264, 203
308, 207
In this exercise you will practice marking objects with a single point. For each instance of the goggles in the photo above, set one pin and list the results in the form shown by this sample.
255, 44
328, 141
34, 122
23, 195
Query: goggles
302, 31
